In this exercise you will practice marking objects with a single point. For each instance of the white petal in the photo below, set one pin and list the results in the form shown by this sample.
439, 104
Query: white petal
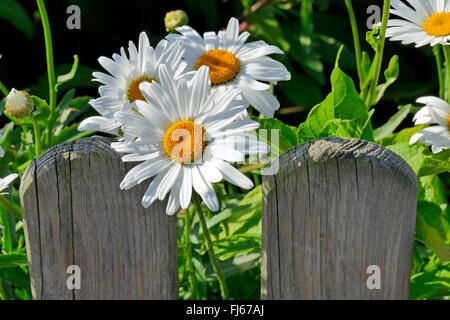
174, 203
263, 101
135, 157
144, 171
233, 175
169, 179
186, 187
4, 183
205, 189
255, 50
436, 136
101, 124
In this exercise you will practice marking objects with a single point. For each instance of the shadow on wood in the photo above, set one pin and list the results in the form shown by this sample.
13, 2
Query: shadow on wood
75, 214
334, 208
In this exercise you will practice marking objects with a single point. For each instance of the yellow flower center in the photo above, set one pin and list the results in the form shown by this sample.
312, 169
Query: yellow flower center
134, 93
448, 122
184, 141
223, 65
438, 24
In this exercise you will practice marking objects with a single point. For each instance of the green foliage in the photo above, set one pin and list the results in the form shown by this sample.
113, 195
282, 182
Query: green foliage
13, 11
389, 127
341, 114
314, 38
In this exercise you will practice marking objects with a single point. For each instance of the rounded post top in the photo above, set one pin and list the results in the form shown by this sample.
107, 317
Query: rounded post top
338, 149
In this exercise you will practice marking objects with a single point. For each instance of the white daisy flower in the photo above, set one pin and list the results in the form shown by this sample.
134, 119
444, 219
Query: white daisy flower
5, 182
175, 111
423, 22
436, 111
234, 63
2, 152
120, 89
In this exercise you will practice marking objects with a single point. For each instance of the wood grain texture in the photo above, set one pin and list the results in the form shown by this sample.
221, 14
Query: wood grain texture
75, 214
335, 207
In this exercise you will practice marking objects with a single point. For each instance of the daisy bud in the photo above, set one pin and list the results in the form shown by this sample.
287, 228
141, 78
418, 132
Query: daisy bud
19, 104
175, 19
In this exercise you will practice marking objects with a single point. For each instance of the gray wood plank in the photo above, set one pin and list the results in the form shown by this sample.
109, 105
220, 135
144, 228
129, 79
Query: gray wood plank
75, 214
335, 207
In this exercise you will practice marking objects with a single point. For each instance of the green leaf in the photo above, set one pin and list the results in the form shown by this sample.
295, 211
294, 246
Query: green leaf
13, 12
245, 217
401, 137
42, 109
225, 214
13, 260
391, 75
7, 240
366, 64
70, 133
68, 76
317, 119
16, 276
372, 38
68, 114
434, 284
287, 135
234, 266
342, 113
66, 100
421, 160
430, 229
229, 247
389, 127
342, 128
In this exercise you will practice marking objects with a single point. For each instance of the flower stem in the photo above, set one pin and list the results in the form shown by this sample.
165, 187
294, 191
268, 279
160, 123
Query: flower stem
379, 55
50, 65
188, 254
3, 89
357, 42
37, 136
2, 291
209, 245
447, 63
10, 207
437, 54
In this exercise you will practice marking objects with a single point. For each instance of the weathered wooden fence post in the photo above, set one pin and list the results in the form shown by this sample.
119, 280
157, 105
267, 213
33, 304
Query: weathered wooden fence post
76, 215
334, 208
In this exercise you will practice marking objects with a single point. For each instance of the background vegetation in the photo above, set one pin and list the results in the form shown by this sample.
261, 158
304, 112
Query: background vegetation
309, 32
